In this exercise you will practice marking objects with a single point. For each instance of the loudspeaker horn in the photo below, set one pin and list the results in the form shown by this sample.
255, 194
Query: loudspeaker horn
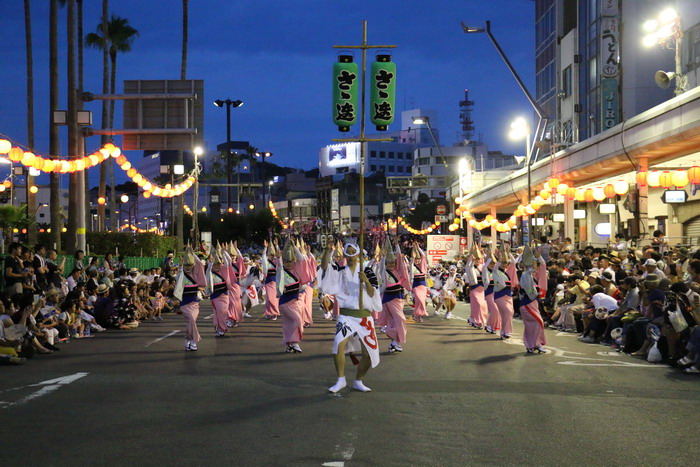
663, 78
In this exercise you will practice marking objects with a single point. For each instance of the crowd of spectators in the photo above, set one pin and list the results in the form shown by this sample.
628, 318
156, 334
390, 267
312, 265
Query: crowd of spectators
40, 309
644, 302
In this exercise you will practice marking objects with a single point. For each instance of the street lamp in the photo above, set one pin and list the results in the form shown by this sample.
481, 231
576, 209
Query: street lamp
263, 155
520, 129
665, 30
195, 223
426, 121
229, 168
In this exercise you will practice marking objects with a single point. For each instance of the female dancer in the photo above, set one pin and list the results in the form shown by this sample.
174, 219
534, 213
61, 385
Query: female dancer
306, 296
236, 273
493, 324
269, 267
187, 290
533, 335
452, 282
477, 302
419, 287
218, 286
503, 292
290, 278
395, 280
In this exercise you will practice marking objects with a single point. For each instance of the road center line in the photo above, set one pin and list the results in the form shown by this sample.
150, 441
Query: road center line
150, 343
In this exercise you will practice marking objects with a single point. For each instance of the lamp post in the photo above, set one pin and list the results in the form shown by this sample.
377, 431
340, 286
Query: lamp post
125, 199
195, 224
229, 103
520, 129
663, 30
542, 123
263, 155
426, 121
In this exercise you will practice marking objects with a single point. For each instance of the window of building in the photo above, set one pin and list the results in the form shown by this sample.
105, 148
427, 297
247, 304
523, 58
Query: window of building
566, 81
399, 168
399, 155
373, 168
373, 154
409, 156
391, 169
592, 72
382, 155
41, 214
391, 154
423, 161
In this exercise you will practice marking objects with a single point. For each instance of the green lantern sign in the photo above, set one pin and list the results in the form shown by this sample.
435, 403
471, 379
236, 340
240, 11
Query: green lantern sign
345, 83
383, 92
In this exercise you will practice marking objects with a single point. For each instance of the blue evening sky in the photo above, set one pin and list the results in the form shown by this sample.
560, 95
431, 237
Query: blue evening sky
276, 55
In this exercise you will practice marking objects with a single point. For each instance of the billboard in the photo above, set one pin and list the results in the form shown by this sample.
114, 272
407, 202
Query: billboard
442, 248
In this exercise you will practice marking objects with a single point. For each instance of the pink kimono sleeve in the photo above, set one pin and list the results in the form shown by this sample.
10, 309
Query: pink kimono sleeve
402, 272
542, 277
301, 270
512, 272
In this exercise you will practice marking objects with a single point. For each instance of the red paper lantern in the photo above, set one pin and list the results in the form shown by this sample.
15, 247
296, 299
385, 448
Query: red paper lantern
588, 195
545, 194
571, 192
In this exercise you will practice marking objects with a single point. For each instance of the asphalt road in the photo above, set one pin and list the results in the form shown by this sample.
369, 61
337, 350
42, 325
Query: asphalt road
455, 396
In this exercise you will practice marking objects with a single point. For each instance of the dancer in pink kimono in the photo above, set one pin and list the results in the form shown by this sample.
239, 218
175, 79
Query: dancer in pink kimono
477, 303
419, 269
291, 278
354, 330
236, 273
218, 287
395, 281
533, 335
269, 267
493, 324
306, 295
503, 292
190, 282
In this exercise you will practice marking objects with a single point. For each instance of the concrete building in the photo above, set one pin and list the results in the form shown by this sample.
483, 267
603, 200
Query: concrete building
589, 54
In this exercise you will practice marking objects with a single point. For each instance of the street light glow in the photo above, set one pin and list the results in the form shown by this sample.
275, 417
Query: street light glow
420, 120
124, 198
668, 15
518, 129
198, 151
650, 25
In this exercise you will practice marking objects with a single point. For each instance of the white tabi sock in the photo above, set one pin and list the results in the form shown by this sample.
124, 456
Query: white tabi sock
359, 385
339, 385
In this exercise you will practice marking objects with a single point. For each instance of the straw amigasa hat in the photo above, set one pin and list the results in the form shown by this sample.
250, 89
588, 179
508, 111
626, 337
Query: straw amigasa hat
476, 252
389, 256
217, 255
288, 252
528, 256
188, 257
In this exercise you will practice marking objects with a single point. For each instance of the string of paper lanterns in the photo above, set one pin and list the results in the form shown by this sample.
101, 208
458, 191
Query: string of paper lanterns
274, 214
56, 165
155, 230
666, 179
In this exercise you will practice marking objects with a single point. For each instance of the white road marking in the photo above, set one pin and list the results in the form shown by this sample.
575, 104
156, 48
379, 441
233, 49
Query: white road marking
208, 317
49, 386
565, 334
333, 464
150, 343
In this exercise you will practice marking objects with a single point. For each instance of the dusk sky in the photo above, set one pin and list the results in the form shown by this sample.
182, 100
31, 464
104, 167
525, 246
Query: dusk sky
277, 55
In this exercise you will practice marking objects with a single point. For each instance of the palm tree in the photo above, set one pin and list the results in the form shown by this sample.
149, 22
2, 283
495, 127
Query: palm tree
95, 40
185, 15
118, 38
13, 217
31, 198
54, 143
